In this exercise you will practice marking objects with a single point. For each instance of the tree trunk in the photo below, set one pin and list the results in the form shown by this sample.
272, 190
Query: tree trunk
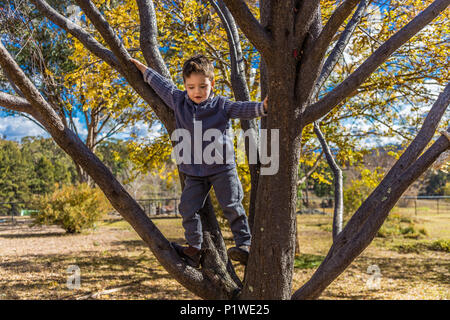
274, 227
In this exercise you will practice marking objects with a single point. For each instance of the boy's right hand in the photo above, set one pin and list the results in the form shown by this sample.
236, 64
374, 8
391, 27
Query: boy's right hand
139, 65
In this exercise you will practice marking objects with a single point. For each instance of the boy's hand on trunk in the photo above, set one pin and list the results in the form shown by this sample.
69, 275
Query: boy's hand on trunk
139, 65
265, 104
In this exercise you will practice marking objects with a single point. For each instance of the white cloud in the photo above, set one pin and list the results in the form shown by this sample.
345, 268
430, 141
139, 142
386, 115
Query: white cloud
81, 128
15, 128
142, 130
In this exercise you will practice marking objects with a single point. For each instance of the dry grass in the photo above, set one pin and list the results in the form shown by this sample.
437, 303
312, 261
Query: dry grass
34, 262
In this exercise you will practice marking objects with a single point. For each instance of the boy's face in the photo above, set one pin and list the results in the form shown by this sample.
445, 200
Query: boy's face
198, 87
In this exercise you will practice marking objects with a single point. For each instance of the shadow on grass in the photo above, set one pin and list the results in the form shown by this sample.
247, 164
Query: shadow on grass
35, 235
47, 275
410, 269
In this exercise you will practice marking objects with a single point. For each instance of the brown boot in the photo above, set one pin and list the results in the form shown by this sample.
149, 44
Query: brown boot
190, 255
239, 254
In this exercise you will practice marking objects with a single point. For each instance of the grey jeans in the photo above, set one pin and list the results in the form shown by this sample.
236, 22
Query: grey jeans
229, 193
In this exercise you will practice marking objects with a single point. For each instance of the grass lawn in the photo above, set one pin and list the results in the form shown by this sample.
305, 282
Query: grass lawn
115, 264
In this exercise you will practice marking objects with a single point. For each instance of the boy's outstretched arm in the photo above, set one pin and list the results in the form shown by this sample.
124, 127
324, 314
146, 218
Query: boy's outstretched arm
246, 109
164, 87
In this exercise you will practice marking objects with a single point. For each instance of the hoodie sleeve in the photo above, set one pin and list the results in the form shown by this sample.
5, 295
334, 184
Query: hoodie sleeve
244, 109
163, 87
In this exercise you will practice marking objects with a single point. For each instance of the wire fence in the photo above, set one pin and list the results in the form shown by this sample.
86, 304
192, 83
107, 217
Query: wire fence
153, 208
168, 207
411, 205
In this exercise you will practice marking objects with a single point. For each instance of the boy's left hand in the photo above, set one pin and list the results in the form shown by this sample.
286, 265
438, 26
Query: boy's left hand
265, 104
139, 65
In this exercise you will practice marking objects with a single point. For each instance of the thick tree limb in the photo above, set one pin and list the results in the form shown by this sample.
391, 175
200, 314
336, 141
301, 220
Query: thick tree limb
331, 27
106, 31
148, 37
343, 90
78, 32
133, 76
304, 18
15, 103
252, 29
313, 56
340, 45
38, 105
339, 259
415, 148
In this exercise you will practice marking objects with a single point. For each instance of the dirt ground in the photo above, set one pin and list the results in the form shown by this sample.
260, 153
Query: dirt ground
35, 263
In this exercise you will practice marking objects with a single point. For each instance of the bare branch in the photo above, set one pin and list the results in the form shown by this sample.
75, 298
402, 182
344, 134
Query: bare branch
251, 27
133, 76
339, 257
84, 37
343, 90
20, 105
338, 183
192, 279
316, 54
39, 105
340, 46
148, 37
15, 103
105, 30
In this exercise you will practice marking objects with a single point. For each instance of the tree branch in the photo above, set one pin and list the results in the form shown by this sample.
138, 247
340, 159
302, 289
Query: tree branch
241, 93
337, 18
84, 37
340, 256
310, 171
148, 37
15, 103
304, 18
338, 183
133, 76
362, 227
251, 27
106, 31
340, 46
313, 57
38, 106
338, 94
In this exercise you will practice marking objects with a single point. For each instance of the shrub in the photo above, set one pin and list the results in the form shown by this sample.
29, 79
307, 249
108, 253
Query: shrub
399, 226
440, 245
73, 208
359, 190
417, 247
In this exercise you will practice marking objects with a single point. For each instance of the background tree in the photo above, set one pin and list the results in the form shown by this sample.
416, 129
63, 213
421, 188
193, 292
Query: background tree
60, 71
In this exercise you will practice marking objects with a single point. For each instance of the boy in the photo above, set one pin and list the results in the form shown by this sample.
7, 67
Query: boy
195, 108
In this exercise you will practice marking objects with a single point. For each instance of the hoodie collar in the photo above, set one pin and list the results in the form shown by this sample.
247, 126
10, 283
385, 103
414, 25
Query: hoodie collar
211, 96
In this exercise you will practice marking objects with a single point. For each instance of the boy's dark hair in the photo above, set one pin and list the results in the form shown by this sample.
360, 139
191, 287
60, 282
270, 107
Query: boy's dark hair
198, 64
